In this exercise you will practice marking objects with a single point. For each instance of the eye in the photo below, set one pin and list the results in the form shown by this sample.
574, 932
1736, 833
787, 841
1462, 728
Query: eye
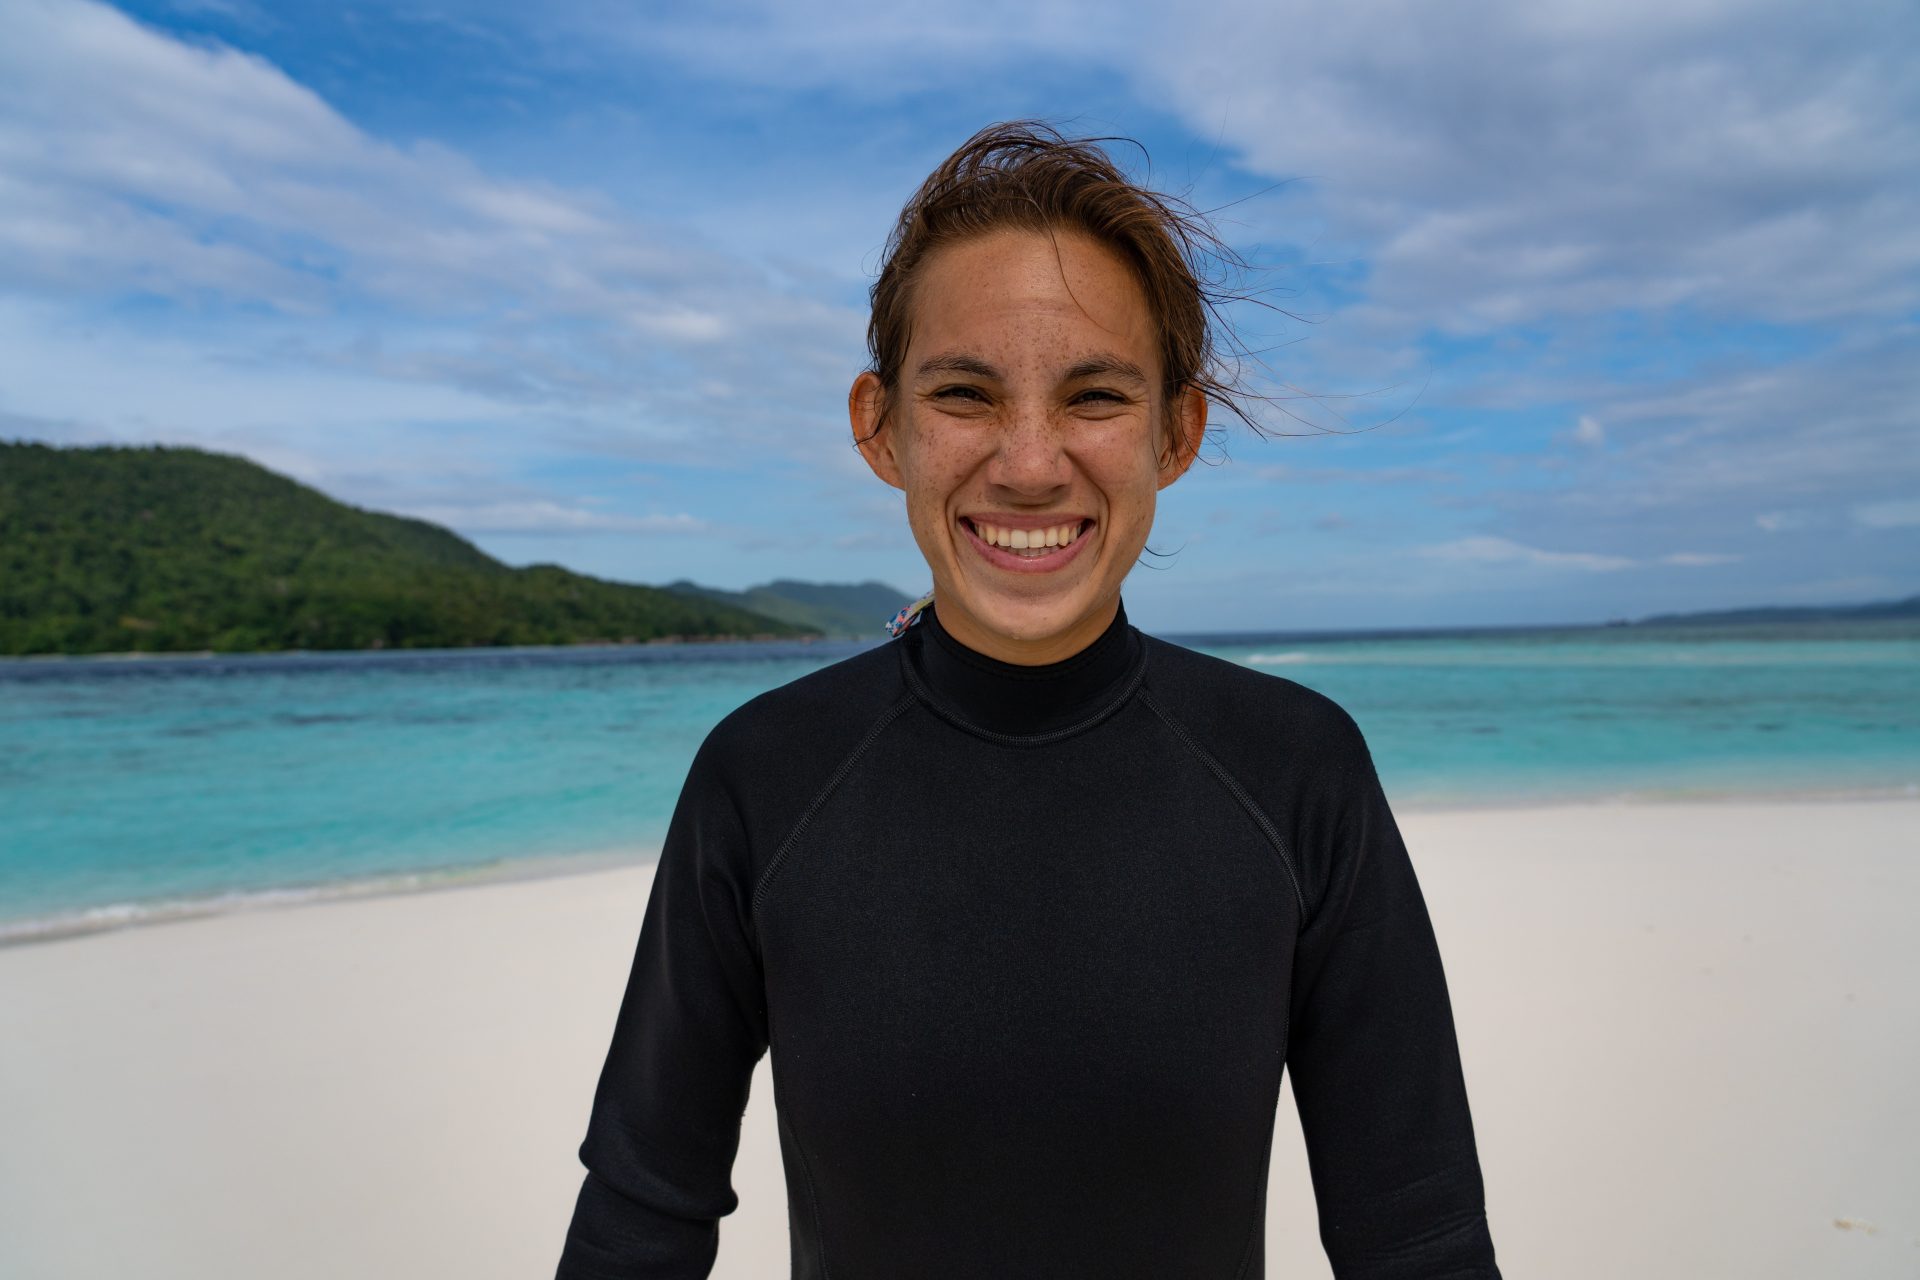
1114, 397
959, 391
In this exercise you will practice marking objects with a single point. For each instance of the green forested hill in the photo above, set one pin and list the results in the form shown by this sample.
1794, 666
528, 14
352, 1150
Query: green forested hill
162, 549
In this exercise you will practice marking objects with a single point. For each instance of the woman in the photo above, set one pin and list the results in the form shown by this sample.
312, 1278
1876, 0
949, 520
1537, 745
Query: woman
1030, 907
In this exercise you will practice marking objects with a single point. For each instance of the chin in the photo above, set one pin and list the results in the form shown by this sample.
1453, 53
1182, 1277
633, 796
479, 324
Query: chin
1028, 618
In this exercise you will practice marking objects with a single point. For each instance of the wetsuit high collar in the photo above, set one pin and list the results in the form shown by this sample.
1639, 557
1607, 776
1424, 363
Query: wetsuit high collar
1005, 699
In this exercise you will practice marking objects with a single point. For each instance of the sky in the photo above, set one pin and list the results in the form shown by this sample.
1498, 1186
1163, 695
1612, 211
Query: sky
1578, 311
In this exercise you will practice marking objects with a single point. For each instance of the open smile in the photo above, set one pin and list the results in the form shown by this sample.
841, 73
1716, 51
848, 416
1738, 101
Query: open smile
1024, 545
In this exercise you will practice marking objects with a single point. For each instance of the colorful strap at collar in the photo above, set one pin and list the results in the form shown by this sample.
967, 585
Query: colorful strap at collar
909, 614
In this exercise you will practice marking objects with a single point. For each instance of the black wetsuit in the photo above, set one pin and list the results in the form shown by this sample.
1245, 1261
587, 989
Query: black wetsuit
1030, 947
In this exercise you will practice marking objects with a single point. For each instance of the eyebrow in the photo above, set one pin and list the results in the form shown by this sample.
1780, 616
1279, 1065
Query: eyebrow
1106, 366
1103, 365
958, 364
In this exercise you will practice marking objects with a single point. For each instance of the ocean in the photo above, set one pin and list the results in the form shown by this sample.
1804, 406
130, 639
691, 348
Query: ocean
144, 788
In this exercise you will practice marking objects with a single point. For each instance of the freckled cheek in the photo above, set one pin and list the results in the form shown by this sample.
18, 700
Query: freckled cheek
939, 483
932, 501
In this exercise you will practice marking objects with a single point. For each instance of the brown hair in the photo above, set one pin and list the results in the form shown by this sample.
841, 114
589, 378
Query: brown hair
1025, 174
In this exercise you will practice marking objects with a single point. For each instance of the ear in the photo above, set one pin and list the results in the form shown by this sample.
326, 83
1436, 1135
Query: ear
1190, 431
864, 404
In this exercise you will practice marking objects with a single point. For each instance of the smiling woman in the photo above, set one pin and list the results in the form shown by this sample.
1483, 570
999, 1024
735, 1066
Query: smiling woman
1033, 909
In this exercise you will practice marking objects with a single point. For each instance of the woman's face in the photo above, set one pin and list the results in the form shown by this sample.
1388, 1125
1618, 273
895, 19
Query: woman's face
1027, 435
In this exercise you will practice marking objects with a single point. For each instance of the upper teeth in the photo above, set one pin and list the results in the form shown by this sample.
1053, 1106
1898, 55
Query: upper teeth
1021, 539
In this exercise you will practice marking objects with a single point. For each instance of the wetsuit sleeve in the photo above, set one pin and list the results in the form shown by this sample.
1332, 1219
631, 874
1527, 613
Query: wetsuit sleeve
1372, 1051
665, 1123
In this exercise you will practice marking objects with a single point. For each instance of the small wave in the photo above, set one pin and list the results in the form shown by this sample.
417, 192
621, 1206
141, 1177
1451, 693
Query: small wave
1277, 659
67, 924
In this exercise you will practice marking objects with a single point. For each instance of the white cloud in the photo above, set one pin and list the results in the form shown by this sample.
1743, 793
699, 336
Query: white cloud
1504, 161
1698, 559
546, 517
1588, 432
1482, 549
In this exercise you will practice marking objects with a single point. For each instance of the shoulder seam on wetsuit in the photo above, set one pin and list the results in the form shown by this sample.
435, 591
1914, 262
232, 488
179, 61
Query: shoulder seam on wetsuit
1239, 793
887, 717
939, 707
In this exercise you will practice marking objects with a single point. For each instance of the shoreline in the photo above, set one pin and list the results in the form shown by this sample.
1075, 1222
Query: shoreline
202, 655
140, 913
27, 931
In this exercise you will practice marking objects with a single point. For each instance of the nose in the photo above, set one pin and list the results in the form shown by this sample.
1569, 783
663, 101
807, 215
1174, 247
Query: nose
1031, 459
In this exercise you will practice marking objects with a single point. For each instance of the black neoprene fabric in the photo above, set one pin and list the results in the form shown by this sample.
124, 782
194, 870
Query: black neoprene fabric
1030, 947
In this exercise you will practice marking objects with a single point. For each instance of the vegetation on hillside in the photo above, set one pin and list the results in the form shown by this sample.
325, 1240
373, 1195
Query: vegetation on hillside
161, 549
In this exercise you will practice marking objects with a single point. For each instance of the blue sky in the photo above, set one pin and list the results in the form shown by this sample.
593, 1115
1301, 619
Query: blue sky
1603, 309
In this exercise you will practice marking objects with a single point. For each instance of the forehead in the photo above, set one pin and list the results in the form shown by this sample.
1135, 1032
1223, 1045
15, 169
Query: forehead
1027, 296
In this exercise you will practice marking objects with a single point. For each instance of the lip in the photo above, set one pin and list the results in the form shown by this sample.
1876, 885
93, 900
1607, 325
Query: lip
1001, 558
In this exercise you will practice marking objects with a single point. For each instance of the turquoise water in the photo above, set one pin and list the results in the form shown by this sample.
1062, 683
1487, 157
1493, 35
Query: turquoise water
134, 788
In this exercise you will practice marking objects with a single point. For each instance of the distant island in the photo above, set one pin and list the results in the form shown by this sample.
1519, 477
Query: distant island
1872, 611
857, 609
163, 549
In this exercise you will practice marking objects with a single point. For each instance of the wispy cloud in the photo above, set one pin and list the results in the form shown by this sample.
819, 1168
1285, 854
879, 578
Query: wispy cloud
1587, 432
1503, 162
1490, 550
557, 518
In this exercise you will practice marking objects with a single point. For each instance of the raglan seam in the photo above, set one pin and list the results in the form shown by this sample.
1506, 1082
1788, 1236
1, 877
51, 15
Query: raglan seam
779, 858
1238, 792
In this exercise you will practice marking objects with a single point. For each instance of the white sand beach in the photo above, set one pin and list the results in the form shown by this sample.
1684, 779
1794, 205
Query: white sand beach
1690, 1034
